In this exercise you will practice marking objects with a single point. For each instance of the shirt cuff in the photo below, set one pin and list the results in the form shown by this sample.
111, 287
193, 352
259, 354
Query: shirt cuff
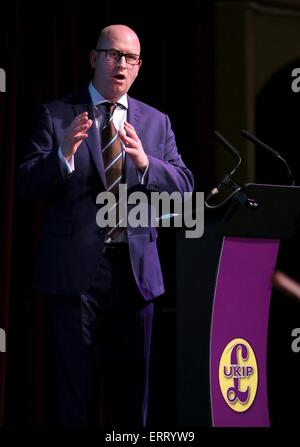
67, 167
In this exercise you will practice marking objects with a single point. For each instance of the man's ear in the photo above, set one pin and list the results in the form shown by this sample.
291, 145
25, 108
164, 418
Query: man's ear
139, 66
93, 58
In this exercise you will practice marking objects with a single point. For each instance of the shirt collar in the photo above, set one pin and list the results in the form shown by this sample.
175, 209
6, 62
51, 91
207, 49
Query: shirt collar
97, 98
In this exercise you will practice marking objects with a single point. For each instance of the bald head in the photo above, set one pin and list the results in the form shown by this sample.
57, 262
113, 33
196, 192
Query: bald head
113, 78
118, 32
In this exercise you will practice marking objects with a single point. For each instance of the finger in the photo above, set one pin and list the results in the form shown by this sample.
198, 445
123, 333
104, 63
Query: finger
126, 138
82, 120
79, 137
130, 131
130, 142
122, 133
81, 115
79, 128
126, 123
130, 150
122, 136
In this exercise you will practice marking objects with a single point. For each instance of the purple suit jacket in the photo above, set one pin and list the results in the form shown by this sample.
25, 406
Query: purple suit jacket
71, 243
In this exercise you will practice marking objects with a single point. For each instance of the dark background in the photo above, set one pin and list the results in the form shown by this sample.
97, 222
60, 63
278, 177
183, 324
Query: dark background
44, 50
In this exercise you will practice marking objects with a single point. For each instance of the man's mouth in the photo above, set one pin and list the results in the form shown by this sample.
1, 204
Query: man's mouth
120, 77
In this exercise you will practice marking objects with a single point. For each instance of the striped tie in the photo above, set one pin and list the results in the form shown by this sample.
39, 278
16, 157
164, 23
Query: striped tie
113, 161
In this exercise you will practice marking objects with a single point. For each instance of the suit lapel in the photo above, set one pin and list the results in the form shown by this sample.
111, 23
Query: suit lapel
134, 117
93, 142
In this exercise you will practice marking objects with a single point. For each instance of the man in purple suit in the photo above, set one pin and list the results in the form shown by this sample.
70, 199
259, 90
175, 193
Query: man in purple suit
100, 289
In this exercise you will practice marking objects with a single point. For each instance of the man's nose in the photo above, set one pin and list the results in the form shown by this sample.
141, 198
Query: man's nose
122, 61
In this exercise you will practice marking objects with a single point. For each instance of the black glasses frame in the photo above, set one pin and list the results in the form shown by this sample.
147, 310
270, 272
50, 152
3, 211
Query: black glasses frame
120, 55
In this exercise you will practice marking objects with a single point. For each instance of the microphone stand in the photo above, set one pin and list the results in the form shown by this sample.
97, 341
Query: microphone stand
227, 178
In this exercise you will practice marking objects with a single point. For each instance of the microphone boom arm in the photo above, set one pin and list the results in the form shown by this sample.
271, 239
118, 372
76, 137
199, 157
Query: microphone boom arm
227, 179
231, 149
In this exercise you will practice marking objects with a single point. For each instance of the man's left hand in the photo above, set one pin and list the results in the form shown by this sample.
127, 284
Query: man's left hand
133, 146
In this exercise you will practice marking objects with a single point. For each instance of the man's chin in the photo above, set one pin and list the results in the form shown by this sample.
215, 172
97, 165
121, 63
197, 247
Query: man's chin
117, 92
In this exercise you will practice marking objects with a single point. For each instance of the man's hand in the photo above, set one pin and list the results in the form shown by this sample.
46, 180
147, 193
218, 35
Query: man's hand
76, 133
133, 146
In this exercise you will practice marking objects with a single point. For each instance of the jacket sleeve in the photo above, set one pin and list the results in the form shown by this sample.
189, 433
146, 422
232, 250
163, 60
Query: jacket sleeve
168, 173
40, 172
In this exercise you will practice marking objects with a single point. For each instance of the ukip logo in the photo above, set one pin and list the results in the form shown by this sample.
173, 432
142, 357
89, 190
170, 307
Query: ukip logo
238, 375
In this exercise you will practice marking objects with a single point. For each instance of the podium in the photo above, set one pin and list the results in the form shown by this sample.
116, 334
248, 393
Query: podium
223, 298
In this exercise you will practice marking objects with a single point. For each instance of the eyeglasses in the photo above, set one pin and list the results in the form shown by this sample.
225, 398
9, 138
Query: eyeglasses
115, 55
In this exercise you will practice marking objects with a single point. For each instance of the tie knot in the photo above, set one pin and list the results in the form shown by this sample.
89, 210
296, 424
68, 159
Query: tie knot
110, 107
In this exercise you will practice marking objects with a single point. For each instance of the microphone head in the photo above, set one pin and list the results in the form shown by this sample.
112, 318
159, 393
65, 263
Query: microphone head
255, 140
260, 143
226, 144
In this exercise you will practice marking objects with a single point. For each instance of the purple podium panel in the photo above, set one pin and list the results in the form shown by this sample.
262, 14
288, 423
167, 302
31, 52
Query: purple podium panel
239, 330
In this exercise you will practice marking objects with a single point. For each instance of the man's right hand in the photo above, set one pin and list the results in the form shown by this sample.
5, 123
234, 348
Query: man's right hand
76, 133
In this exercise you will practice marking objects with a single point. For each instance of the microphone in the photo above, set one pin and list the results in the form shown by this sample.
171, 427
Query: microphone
226, 144
227, 178
255, 140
